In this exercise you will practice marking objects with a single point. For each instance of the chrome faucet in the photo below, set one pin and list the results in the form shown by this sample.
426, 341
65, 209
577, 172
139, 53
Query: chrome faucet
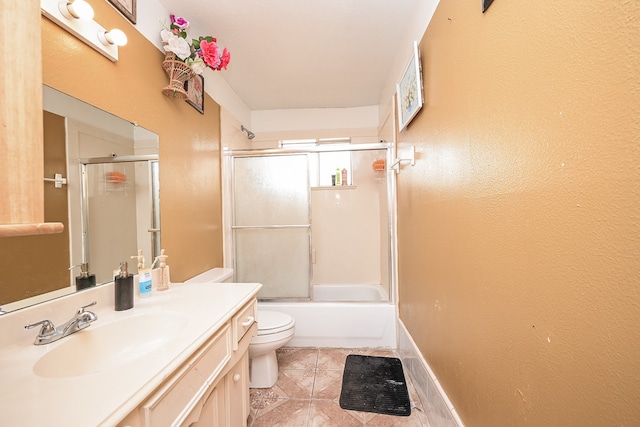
49, 333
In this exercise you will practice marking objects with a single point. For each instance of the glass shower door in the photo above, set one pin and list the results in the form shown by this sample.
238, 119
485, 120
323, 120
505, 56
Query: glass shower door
271, 224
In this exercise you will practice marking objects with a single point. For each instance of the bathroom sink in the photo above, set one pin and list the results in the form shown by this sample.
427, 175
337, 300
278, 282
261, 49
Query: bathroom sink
100, 348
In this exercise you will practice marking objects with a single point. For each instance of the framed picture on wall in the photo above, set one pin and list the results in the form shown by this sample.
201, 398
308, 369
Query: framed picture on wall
195, 92
409, 90
486, 4
126, 7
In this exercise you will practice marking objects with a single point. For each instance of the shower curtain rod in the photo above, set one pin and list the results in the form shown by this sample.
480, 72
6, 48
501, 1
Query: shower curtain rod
309, 149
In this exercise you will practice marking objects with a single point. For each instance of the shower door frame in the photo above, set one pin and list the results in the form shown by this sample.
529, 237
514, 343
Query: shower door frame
228, 203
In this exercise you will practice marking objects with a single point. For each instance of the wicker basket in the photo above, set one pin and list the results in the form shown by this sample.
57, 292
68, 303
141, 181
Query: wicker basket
179, 73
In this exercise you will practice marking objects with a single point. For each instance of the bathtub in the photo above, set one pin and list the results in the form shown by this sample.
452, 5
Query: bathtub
343, 316
340, 324
349, 293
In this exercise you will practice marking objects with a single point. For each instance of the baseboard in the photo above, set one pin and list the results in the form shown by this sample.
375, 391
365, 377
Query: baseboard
438, 408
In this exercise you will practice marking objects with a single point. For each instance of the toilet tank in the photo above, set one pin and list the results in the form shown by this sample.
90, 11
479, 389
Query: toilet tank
215, 275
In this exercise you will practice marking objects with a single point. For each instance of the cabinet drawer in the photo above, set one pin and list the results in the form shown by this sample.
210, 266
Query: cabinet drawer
243, 321
174, 400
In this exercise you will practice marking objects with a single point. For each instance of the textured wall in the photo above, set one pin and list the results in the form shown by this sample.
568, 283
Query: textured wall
189, 142
519, 226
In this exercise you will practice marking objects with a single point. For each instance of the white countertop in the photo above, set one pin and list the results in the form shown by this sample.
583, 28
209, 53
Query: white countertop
104, 397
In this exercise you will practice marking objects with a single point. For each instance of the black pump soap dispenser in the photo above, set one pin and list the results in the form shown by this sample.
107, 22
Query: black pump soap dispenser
123, 288
85, 280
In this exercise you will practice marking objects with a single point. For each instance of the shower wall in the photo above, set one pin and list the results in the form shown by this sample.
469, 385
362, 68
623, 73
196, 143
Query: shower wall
349, 227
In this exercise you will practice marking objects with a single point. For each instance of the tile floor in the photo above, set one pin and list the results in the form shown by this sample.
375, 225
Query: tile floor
308, 391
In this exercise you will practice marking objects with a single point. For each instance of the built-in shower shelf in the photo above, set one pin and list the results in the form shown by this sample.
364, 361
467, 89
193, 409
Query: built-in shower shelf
335, 187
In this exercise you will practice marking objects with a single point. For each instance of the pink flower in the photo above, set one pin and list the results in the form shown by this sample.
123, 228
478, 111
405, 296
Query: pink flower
224, 60
198, 53
210, 54
179, 22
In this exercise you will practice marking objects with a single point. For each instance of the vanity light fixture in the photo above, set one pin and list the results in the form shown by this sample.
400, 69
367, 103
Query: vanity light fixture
76, 16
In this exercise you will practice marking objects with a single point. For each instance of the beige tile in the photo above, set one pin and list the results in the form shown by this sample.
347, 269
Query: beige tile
255, 403
308, 389
294, 383
381, 420
256, 393
297, 358
327, 385
267, 404
416, 403
328, 413
413, 393
259, 398
284, 413
422, 416
332, 358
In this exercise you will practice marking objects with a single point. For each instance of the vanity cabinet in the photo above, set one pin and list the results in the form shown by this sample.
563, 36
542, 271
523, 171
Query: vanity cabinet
211, 389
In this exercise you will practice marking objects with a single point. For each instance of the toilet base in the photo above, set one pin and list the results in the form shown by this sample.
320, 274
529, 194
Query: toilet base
263, 370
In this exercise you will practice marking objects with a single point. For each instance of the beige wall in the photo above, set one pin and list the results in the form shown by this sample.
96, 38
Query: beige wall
519, 226
189, 141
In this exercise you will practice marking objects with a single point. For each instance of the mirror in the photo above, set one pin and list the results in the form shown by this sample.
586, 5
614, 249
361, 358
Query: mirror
106, 220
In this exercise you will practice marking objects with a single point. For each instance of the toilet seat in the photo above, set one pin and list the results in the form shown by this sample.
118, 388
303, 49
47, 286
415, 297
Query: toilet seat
272, 322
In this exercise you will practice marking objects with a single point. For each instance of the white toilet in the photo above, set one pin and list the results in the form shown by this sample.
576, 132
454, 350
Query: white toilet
275, 329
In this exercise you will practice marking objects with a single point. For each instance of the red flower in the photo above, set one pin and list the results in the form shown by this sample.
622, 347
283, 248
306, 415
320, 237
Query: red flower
224, 60
210, 54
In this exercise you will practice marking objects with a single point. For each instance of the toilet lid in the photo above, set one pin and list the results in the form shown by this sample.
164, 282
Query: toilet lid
272, 322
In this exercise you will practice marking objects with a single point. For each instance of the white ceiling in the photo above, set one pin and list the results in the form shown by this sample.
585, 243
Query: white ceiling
294, 54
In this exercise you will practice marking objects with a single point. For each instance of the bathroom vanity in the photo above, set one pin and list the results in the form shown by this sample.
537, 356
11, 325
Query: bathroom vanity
177, 358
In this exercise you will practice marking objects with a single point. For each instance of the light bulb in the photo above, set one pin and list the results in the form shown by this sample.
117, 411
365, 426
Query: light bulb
115, 36
78, 9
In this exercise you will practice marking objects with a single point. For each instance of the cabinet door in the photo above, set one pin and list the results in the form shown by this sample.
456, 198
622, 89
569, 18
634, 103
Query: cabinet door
238, 393
213, 411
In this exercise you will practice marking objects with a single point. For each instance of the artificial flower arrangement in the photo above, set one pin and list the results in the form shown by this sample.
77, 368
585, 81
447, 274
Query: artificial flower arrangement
198, 54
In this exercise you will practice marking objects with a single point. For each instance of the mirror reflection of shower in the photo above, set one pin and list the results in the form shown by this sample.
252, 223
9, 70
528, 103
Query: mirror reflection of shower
120, 211
301, 236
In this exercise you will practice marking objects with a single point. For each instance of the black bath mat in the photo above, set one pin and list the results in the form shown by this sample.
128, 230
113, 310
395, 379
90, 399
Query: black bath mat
375, 384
